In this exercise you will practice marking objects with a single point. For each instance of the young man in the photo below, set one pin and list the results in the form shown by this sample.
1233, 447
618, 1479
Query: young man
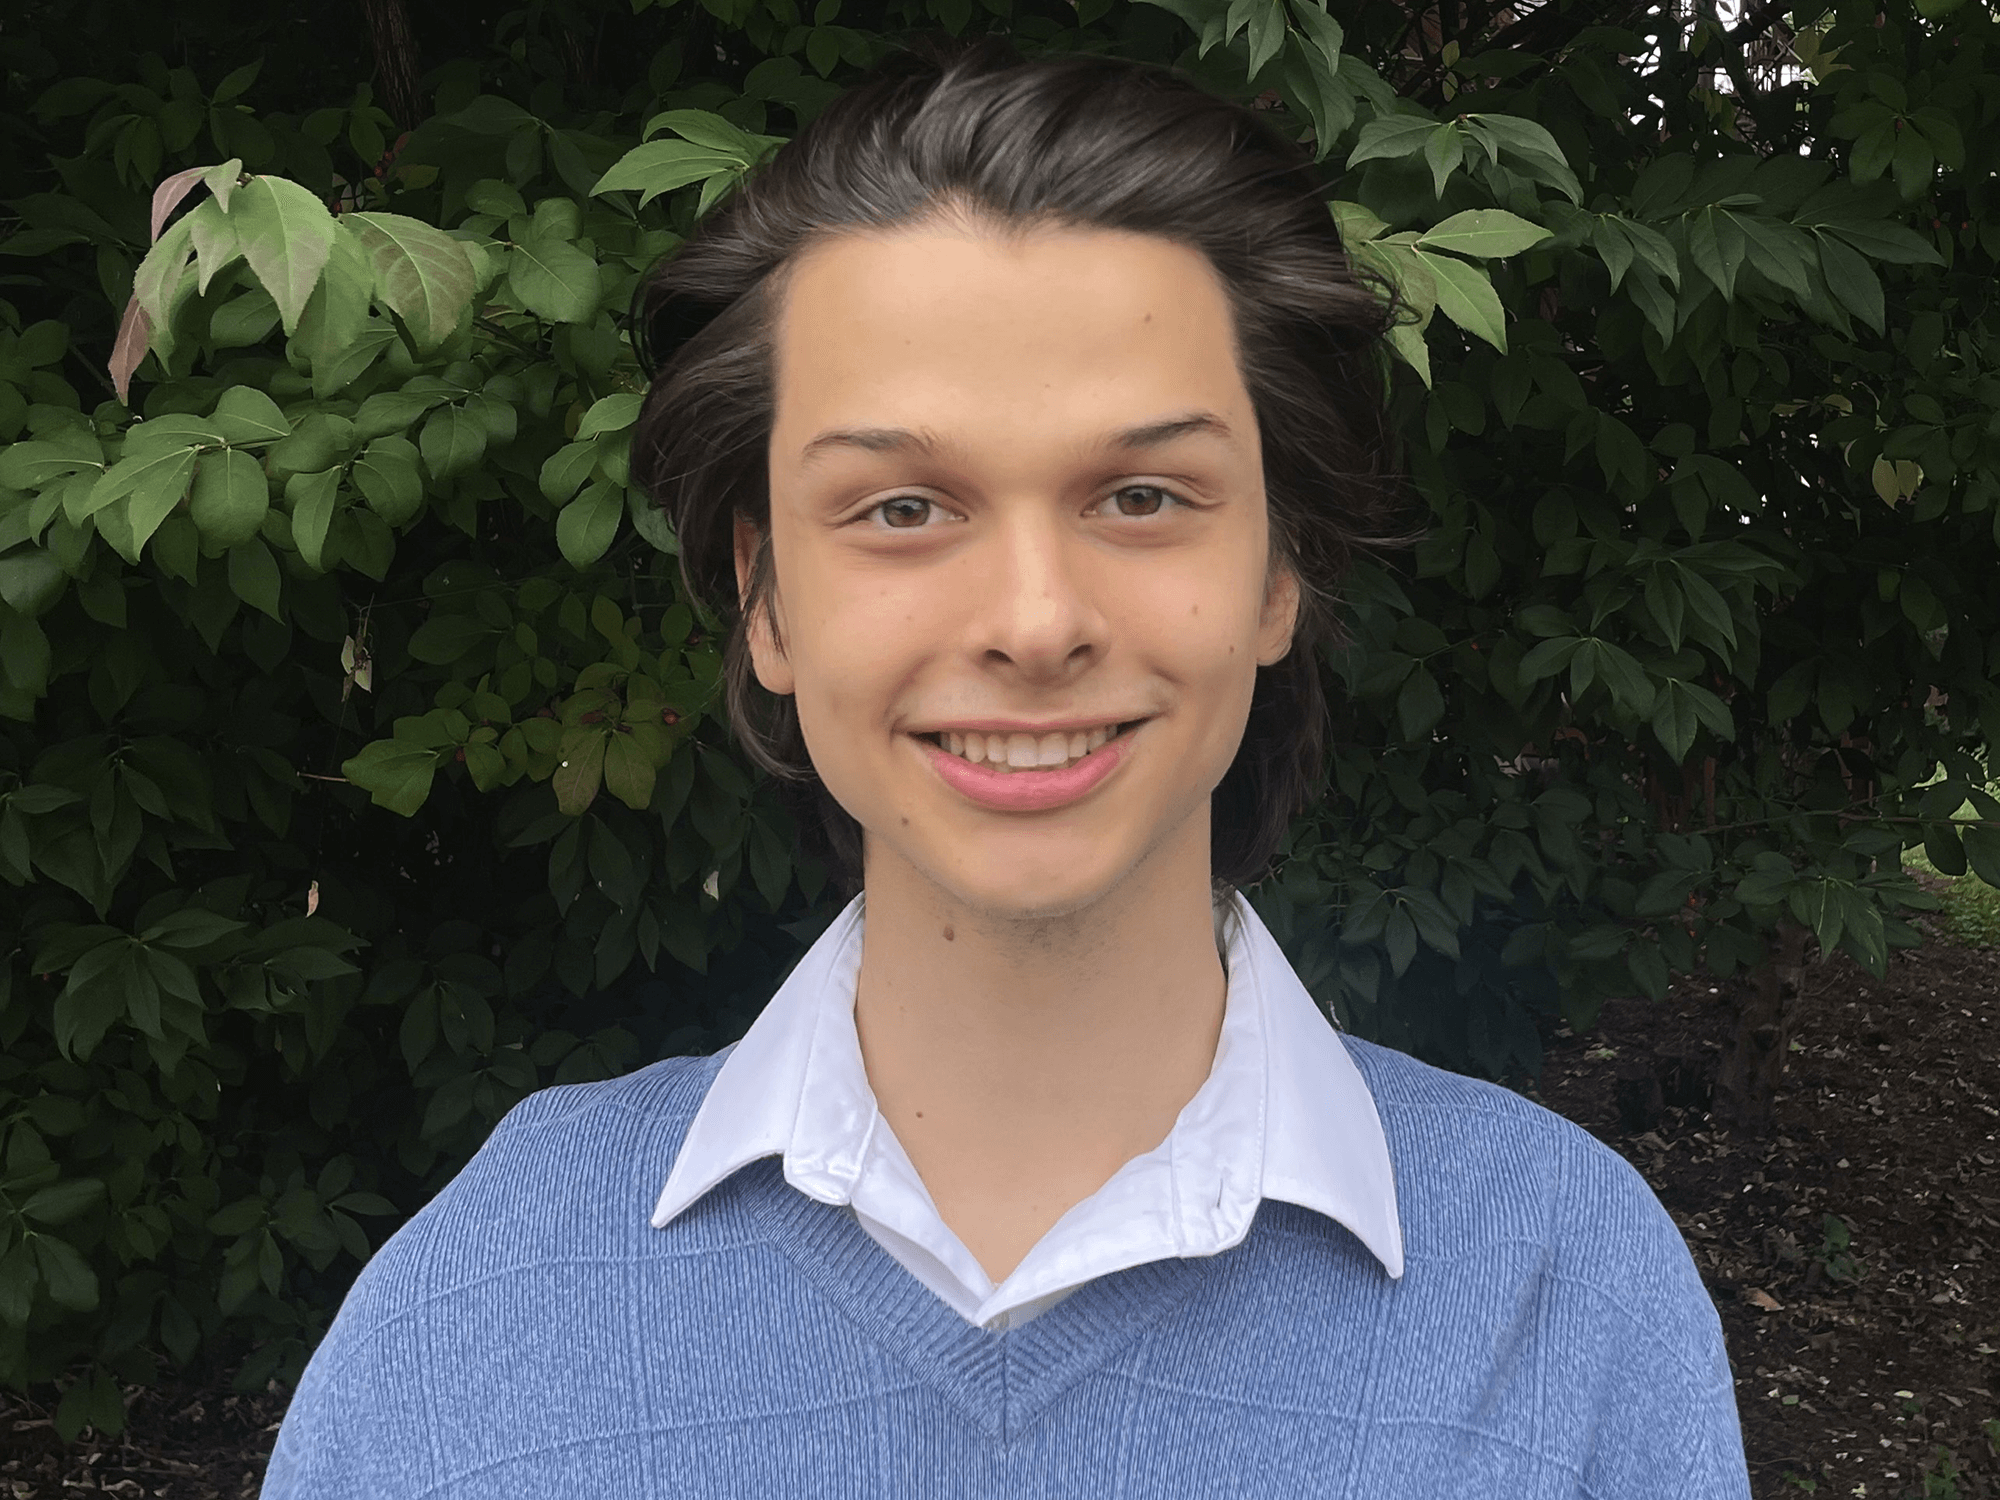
1028, 410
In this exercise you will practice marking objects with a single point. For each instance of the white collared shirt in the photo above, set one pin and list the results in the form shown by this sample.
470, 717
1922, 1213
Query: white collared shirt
1284, 1113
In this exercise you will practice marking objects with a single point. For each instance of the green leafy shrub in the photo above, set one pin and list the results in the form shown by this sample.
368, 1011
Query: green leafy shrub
361, 770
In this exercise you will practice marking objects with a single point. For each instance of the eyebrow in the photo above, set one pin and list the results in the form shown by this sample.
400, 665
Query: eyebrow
902, 440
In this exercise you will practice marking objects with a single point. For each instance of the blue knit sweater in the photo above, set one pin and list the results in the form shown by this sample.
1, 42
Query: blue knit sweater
529, 1334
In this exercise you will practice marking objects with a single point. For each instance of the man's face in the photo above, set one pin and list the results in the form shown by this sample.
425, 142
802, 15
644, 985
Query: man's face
1020, 552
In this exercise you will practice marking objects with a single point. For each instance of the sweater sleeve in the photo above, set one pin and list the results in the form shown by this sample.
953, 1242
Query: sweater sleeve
1663, 1420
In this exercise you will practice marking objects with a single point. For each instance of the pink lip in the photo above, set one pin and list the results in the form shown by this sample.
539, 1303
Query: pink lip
1009, 726
1026, 791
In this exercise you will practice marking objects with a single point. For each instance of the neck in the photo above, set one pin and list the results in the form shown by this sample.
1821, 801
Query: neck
1021, 1061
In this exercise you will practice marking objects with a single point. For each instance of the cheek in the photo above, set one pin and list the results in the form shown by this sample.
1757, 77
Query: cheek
853, 646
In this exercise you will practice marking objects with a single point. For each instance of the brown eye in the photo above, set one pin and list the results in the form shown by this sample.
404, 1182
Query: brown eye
906, 511
1140, 500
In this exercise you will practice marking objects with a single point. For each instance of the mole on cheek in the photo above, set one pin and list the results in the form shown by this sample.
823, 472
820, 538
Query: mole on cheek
950, 936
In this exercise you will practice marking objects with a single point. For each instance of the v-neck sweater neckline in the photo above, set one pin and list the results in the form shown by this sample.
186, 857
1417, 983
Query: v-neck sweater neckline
1001, 1381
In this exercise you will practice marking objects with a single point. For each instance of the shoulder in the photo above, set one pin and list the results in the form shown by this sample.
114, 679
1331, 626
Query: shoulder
1485, 1143
1481, 1170
667, 1092
565, 1182
577, 1167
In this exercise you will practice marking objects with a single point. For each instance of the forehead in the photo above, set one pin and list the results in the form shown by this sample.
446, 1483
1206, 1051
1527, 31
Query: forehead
950, 324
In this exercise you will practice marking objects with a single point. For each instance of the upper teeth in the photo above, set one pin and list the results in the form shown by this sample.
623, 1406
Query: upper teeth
1026, 752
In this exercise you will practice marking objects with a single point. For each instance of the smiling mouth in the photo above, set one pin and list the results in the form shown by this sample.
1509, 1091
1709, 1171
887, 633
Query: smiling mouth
1007, 753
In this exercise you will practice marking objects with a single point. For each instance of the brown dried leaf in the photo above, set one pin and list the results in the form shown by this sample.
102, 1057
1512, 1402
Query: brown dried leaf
135, 331
167, 196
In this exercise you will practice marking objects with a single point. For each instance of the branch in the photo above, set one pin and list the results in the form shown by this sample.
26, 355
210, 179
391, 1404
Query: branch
1756, 22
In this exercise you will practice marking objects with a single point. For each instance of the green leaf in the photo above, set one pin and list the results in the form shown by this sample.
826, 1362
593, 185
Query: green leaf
1444, 152
566, 469
1914, 165
190, 927
215, 243
709, 130
628, 773
651, 522
1466, 296
341, 371
1777, 250
1718, 246
1485, 233
497, 417
286, 234
1852, 281
662, 166
1548, 658
388, 412
1531, 148
1320, 29
1982, 852
20, 1278
229, 497
553, 278
445, 639
386, 474
161, 275
587, 526
93, 997
155, 483
1357, 224
1614, 247
611, 413
254, 576
1408, 342
421, 272
1419, 705
1267, 33
1654, 250
246, 415
337, 313
62, 1201
30, 581
312, 498
491, 196
1631, 689
1654, 301
1399, 936
31, 465
67, 1275
395, 773
453, 441
1390, 137
581, 769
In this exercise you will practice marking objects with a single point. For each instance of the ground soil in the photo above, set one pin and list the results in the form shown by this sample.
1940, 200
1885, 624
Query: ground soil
1867, 1369
1863, 1369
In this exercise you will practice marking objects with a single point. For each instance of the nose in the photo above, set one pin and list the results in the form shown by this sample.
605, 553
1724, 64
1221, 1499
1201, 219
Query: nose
1038, 615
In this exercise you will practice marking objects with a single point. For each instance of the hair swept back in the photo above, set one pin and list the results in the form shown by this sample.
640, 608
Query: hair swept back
1070, 140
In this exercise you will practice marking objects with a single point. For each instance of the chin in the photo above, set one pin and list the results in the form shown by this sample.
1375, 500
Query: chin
1036, 877
1030, 896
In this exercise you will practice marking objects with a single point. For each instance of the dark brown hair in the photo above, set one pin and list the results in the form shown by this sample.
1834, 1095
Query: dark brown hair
1070, 140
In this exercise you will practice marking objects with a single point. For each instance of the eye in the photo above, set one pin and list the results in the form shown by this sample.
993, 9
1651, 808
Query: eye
1140, 500
908, 512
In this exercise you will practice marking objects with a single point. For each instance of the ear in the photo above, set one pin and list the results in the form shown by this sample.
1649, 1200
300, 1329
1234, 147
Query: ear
1279, 616
763, 631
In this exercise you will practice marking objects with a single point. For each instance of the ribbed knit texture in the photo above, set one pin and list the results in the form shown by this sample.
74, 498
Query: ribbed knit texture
529, 1334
